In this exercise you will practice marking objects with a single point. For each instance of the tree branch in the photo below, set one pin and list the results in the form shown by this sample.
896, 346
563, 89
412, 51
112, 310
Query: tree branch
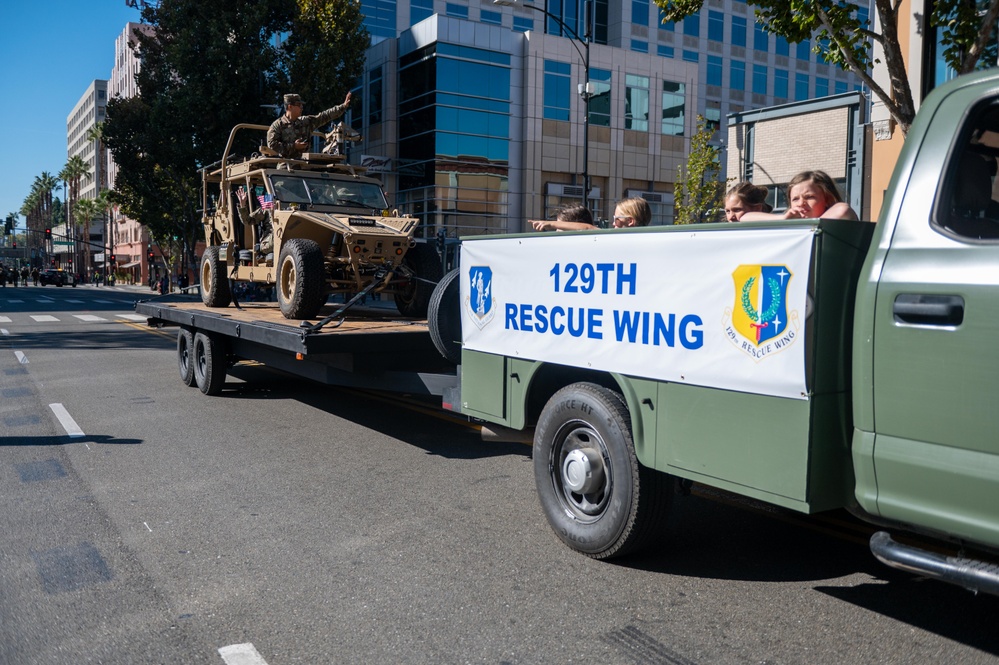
984, 34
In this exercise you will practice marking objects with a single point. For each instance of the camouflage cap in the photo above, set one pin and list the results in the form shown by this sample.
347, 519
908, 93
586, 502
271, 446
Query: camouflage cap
292, 99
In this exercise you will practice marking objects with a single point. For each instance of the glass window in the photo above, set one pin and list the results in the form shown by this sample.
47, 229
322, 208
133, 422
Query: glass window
640, 12
487, 16
375, 95
712, 118
639, 45
666, 51
636, 102
737, 75
668, 26
379, 18
761, 40
674, 102
600, 103
759, 79
558, 90
419, 10
821, 87
800, 86
803, 50
521, 24
780, 83
782, 47
738, 31
716, 26
842, 87
456, 10
714, 70
692, 25
691, 56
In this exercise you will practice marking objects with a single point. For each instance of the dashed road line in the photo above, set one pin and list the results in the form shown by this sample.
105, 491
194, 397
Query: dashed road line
90, 318
133, 317
66, 420
44, 318
5, 319
4, 331
21, 358
241, 654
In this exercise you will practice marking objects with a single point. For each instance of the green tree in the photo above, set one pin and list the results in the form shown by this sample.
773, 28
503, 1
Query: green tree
73, 174
697, 191
843, 39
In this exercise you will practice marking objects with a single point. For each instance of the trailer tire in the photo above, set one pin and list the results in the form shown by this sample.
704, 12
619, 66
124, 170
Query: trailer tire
597, 497
214, 282
209, 363
444, 317
300, 279
185, 355
414, 298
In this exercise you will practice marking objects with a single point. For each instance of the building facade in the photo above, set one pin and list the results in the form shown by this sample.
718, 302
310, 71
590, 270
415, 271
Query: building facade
90, 110
473, 111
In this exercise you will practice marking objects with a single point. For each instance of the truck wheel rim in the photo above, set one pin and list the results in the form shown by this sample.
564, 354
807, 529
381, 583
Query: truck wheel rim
580, 472
288, 277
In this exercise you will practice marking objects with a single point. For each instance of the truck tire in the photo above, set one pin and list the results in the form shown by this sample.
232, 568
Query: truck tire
444, 317
185, 355
597, 497
414, 298
214, 282
209, 364
300, 279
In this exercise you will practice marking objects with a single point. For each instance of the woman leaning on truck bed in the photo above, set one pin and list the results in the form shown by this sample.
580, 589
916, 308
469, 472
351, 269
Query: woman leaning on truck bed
810, 195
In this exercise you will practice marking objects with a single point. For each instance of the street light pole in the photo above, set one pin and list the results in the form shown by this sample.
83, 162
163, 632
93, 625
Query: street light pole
585, 89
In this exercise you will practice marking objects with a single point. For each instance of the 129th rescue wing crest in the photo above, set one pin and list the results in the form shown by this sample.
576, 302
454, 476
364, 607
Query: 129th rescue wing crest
480, 295
760, 322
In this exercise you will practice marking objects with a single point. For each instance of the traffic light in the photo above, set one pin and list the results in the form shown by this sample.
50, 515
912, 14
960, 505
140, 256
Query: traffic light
48, 234
15, 244
112, 258
8, 225
70, 261
150, 256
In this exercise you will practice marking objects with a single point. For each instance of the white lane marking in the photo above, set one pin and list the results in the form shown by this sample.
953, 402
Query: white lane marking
43, 318
241, 654
21, 358
91, 318
5, 319
66, 420
133, 317
44, 300
3, 331
147, 527
15, 301
75, 302
106, 302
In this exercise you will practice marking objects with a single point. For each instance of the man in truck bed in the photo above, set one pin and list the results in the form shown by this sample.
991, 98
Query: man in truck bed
289, 135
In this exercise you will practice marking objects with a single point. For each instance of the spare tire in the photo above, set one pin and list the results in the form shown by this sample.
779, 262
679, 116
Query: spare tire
444, 317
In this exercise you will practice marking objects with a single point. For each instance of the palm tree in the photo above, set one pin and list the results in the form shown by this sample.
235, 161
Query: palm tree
84, 211
72, 174
96, 134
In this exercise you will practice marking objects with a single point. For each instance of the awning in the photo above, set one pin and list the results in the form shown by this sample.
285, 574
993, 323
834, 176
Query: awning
131, 265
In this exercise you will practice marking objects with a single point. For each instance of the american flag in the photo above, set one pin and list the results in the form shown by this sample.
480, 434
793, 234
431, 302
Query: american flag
266, 201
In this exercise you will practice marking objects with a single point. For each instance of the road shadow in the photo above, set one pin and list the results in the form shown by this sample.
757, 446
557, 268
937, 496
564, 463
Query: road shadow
90, 339
421, 422
65, 440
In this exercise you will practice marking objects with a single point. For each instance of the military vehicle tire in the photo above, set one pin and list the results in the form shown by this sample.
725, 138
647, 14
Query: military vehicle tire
185, 355
300, 279
444, 317
209, 363
595, 494
214, 282
414, 299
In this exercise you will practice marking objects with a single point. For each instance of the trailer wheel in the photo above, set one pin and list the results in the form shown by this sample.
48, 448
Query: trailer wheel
185, 355
596, 495
214, 283
300, 279
444, 317
414, 298
209, 364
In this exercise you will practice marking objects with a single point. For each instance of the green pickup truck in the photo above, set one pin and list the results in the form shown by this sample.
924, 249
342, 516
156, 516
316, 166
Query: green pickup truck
815, 364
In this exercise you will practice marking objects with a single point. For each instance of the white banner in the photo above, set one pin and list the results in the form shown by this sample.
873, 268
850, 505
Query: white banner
717, 308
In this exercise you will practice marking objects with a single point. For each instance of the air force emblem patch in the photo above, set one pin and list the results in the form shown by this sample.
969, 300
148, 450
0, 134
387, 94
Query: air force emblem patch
480, 295
760, 321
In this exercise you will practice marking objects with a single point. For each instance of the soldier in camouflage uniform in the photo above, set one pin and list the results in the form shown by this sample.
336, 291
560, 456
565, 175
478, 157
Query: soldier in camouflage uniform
290, 134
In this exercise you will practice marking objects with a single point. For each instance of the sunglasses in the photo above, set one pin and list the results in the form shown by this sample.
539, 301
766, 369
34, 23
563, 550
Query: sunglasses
622, 219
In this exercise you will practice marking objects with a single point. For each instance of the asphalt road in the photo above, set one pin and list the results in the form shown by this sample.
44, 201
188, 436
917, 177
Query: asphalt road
286, 522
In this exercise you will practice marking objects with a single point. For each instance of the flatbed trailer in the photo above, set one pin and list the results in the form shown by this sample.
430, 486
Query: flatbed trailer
371, 348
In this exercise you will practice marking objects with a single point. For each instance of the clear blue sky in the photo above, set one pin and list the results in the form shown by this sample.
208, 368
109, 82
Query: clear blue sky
50, 52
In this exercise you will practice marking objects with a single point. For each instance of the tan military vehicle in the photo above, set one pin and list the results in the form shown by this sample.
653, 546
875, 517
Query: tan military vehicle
317, 227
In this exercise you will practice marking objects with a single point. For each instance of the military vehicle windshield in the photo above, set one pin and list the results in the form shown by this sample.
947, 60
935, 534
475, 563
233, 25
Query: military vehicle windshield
294, 189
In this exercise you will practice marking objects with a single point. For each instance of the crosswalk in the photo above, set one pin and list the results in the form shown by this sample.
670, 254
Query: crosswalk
87, 318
